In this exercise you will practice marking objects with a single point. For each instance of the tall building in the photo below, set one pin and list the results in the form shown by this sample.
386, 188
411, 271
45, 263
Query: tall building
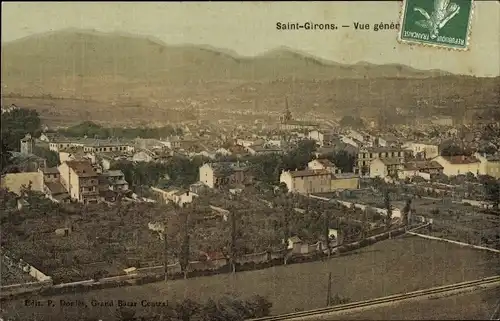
27, 145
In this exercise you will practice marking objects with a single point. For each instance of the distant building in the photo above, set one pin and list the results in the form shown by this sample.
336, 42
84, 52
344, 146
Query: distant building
383, 167
288, 123
323, 163
80, 180
459, 165
220, 174
425, 169
27, 144
489, 164
307, 181
174, 195
113, 180
426, 150
367, 155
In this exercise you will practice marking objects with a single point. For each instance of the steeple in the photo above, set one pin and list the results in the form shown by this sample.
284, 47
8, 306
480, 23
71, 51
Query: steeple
287, 115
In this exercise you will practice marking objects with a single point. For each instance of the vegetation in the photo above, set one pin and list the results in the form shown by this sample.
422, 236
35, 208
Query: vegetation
453, 150
16, 124
352, 121
179, 171
491, 190
91, 129
224, 309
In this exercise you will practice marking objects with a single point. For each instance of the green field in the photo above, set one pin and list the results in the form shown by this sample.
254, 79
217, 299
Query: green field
478, 305
388, 267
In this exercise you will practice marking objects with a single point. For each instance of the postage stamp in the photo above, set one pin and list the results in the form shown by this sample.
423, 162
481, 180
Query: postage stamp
438, 23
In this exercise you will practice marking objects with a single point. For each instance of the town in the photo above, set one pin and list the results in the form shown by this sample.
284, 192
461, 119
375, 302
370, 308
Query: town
101, 210
186, 162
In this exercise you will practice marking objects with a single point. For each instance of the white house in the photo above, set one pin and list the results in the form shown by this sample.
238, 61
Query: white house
489, 165
428, 150
174, 195
323, 163
459, 165
383, 167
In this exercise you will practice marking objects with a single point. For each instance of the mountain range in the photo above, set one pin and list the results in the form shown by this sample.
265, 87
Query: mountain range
87, 54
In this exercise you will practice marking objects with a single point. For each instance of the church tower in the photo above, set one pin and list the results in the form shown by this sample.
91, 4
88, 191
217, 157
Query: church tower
287, 115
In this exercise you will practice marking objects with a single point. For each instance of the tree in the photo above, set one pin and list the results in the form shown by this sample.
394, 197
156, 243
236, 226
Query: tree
6, 156
343, 160
125, 314
351, 121
453, 150
492, 190
406, 212
185, 244
186, 310
16, 124
388, 207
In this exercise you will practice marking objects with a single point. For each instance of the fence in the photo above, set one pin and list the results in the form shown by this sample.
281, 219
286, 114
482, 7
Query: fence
454, 242
156, 273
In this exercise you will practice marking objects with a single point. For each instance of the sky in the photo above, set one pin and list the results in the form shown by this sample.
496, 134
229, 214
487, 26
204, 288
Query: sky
249, 28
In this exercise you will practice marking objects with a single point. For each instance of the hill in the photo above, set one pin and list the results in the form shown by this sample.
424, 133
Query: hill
71, 54
75, 75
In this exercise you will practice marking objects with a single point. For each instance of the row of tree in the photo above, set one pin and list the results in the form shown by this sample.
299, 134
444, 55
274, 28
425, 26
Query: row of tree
93, 130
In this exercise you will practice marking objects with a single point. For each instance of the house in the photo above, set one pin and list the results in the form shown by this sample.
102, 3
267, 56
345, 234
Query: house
344, 181
323, 163
322, 138
143, 155
427, 150
225, 173
294, 244
383, 167
489, 164
80, 180
307, 181
425, 169
367, 155
113, 180
459, 165
262, 150
174, 195
52, 187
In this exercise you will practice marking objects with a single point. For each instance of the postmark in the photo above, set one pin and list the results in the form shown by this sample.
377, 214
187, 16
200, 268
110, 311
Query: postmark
437, 23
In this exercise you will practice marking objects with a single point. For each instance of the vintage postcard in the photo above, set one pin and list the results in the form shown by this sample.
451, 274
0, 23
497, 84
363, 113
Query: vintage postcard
209, 161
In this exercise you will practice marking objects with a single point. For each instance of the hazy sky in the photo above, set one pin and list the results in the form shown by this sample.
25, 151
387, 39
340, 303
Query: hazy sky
250, 28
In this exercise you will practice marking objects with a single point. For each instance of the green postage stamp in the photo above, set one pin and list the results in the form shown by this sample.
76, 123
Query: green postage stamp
439, 23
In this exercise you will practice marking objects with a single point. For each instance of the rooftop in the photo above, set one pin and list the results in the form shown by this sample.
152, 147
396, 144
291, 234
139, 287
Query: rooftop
460, 160
50, 170
82, 168
309, 172
418, 165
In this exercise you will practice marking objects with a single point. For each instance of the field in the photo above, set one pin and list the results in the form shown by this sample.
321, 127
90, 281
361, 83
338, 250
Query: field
11, 275
451, 220
389, 267
477, 305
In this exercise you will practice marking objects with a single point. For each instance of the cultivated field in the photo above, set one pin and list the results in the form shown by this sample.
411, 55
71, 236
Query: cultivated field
477, 305
389, 267
451, 220
13, 275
